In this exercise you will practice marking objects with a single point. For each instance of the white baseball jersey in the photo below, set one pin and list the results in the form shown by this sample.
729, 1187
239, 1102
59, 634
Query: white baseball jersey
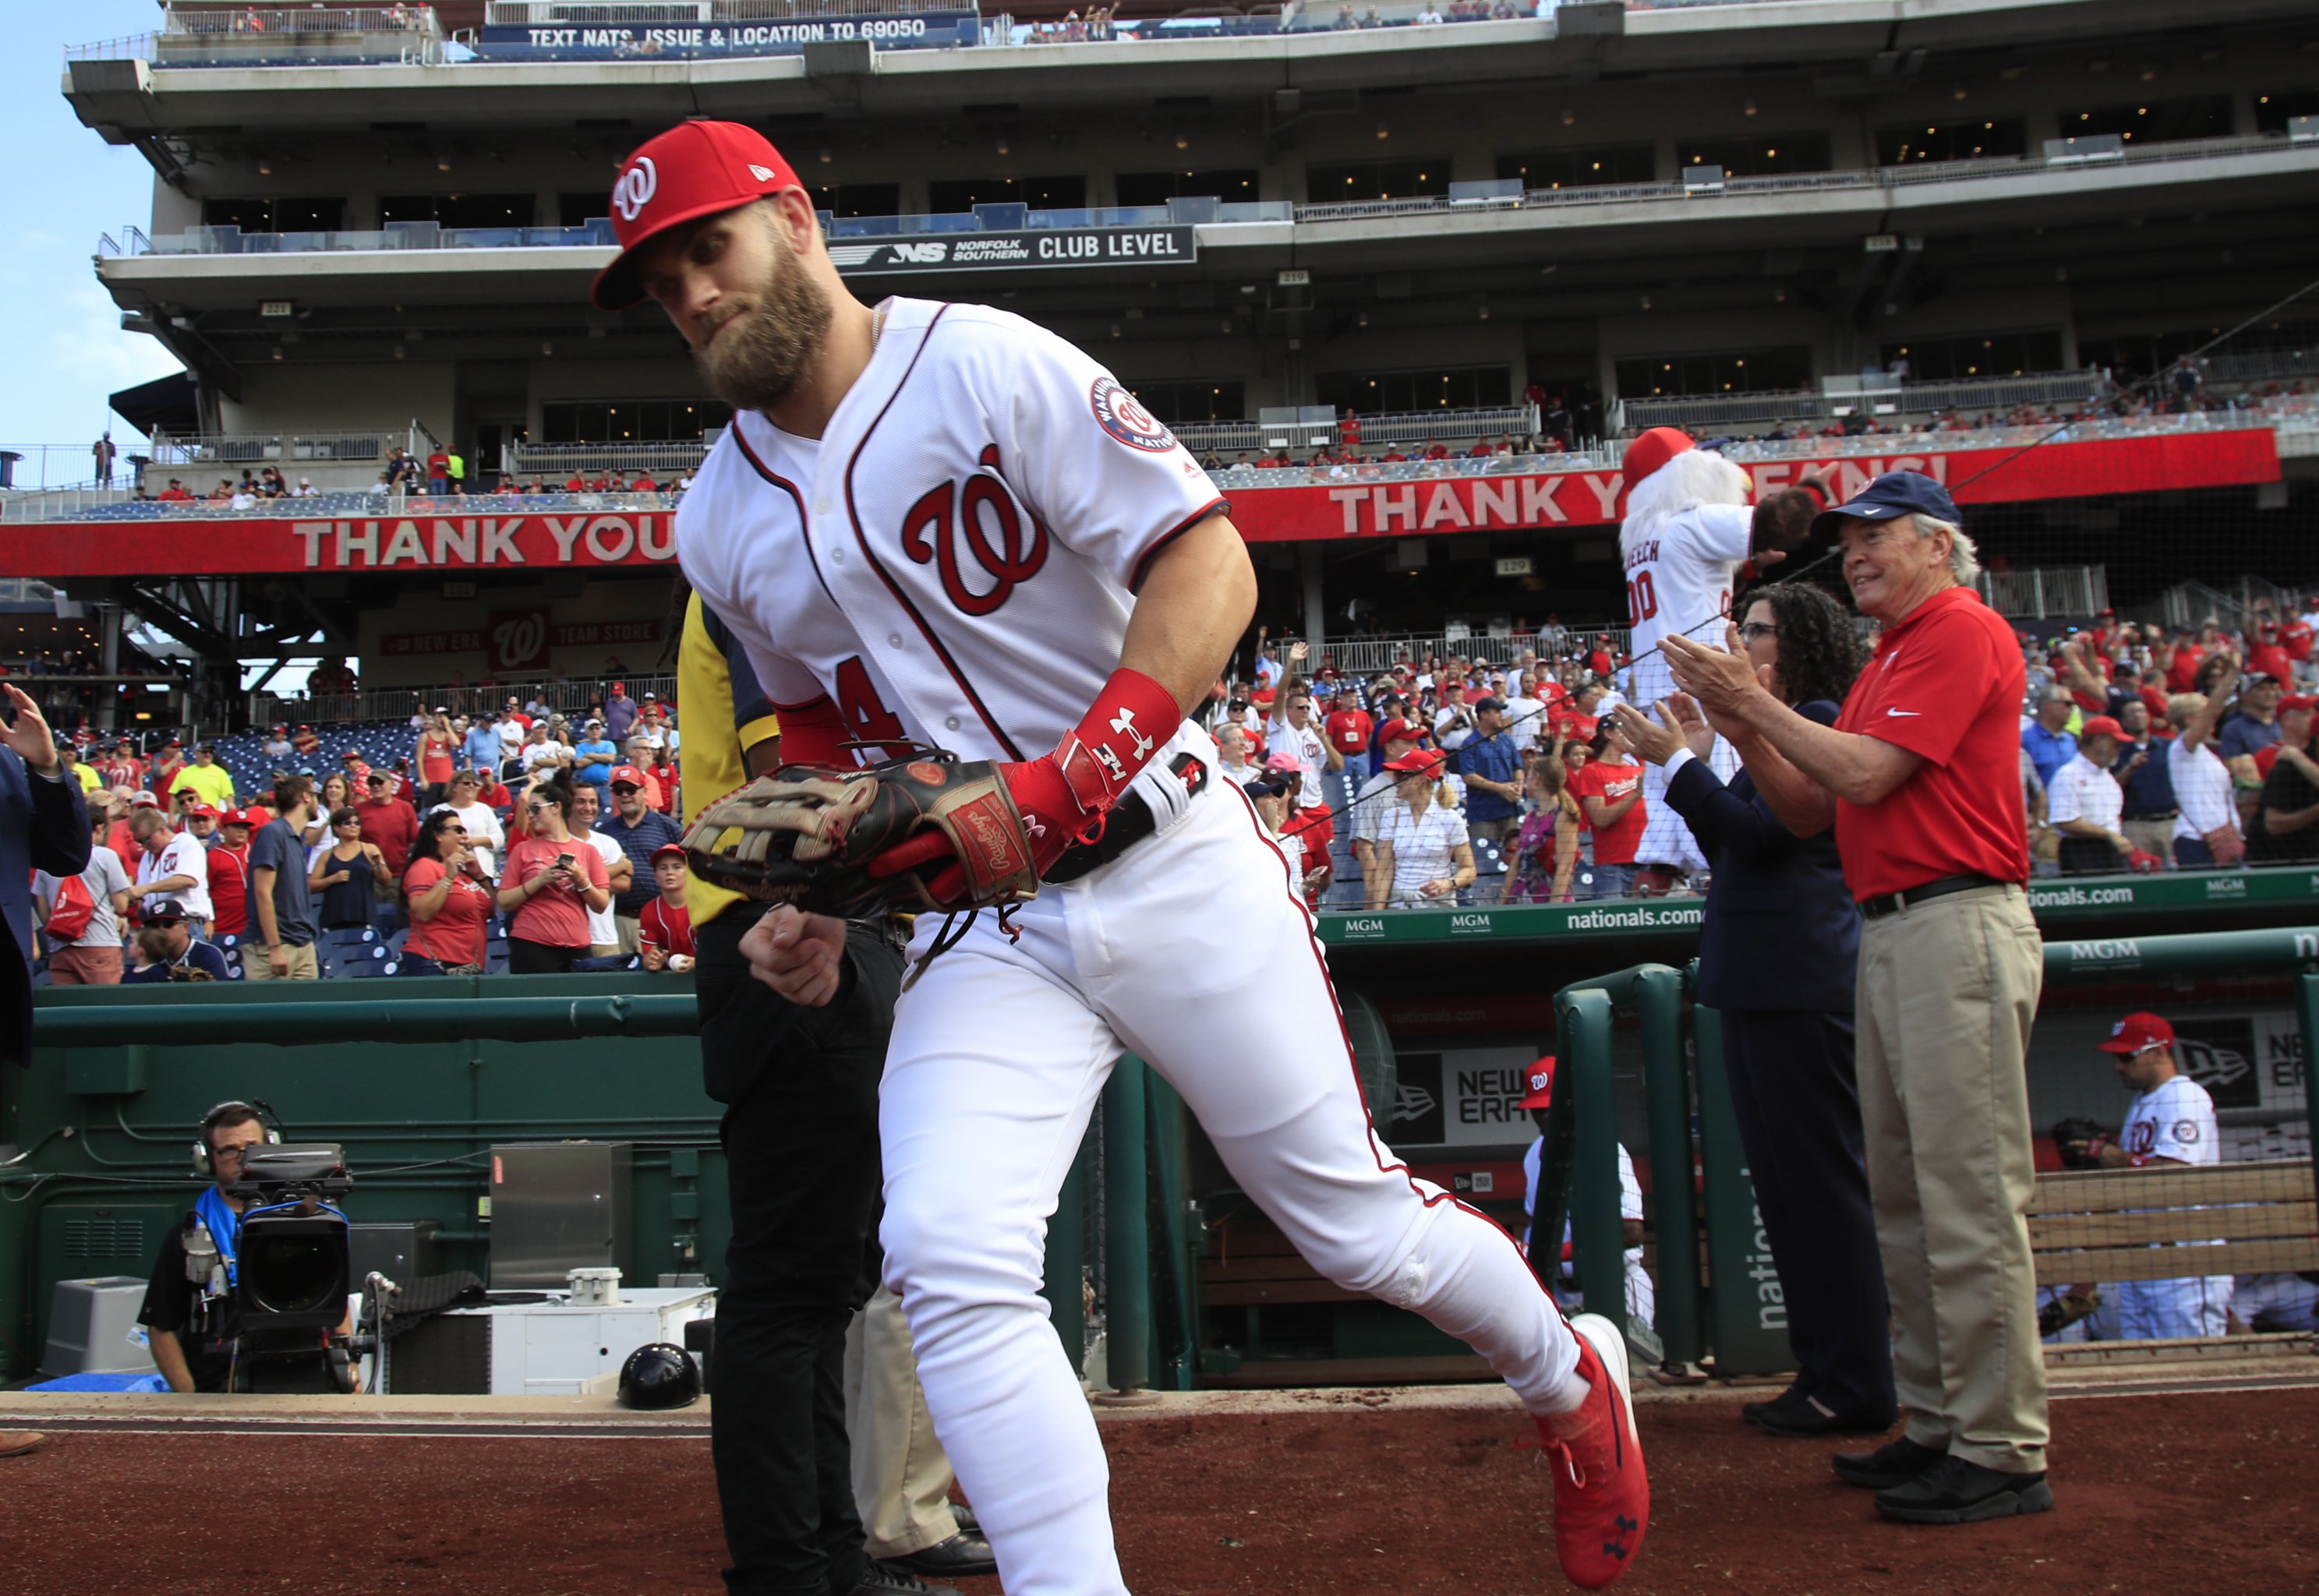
1680, 569
955, 561
2173, 1121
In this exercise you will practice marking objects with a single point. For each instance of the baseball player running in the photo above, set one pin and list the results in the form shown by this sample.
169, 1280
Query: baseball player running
939, 524
1689, 528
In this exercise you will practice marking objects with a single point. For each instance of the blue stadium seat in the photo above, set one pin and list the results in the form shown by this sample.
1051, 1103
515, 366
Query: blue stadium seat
352, 953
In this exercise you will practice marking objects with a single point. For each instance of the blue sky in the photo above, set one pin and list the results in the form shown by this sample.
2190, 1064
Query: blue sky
66, 351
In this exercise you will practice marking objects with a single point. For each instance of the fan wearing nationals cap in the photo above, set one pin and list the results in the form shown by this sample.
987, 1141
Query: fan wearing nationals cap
1689, 528
939, 524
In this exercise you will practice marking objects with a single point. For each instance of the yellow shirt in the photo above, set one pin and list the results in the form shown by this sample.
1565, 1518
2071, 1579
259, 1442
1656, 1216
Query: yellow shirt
88, 774
215, 787
725, 715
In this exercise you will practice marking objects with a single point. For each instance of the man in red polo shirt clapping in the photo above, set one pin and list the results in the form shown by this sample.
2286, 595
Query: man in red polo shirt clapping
1920, 777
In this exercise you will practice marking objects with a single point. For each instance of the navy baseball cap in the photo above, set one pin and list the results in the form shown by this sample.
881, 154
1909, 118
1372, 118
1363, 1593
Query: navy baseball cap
1894, 494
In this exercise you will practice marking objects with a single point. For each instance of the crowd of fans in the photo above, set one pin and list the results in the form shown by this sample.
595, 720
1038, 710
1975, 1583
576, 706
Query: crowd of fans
1447, 779
519, 839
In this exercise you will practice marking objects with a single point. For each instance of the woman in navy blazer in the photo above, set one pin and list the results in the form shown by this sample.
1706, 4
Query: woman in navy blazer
43, 826
1779, 946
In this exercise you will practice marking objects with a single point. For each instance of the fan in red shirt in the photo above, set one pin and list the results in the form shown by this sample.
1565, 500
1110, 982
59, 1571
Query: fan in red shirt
1349, 431
2296, 637
664, 926
1435, 450
1609, 788
2265, 653
228, 870
1599, 661
1349, 726
2182, 671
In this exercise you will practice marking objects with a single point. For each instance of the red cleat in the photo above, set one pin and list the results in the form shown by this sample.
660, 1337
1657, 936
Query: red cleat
1601, 1500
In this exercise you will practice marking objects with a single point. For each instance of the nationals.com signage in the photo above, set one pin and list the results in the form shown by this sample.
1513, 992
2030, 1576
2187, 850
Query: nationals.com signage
1541, 501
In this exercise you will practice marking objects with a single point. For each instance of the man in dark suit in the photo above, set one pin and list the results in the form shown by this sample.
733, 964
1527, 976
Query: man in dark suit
43, 826
1779, 948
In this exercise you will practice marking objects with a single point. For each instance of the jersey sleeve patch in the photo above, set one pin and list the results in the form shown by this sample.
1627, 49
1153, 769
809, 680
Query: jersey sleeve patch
2186, 1132
1122, 414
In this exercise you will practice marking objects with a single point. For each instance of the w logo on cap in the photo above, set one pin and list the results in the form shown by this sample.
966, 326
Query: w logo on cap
635, 188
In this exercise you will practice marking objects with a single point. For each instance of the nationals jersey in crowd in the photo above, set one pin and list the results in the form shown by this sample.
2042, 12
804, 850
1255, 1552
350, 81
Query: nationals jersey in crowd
1680, 568
954, 561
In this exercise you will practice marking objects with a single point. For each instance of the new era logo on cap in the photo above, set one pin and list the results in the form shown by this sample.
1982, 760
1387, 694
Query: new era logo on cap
695, 169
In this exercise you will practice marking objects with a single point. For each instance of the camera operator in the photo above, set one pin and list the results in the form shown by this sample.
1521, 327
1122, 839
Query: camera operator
194, 1330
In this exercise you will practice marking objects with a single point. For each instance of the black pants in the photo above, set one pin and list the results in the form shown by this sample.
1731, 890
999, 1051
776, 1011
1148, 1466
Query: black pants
801, 1138
526, 957
1798, 1106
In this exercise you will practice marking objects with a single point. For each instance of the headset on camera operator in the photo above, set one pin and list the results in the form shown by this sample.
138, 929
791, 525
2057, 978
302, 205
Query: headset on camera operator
203, 1334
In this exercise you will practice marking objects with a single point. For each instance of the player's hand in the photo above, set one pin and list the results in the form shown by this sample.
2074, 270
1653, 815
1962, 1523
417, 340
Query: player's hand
800, 956
30, 735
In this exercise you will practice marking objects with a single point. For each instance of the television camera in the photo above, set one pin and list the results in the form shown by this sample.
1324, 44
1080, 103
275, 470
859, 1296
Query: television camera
284, 1298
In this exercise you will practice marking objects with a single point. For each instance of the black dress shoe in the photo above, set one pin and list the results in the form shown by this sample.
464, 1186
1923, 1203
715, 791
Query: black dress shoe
1955, 1492
1808, 1418
883, 1578
1753, 1413
962, 1556
1893, 1464
963, 1512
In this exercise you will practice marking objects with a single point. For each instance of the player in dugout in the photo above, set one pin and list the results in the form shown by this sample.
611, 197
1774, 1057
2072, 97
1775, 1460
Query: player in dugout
1054, 655
1920, 775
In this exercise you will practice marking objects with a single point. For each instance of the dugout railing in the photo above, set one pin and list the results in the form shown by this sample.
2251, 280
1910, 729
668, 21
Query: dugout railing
1712, 1262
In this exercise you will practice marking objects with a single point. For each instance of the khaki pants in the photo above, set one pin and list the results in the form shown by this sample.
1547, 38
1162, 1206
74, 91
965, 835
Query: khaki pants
1947, 991
2151, 836
304, 966
901, 1475
629, 926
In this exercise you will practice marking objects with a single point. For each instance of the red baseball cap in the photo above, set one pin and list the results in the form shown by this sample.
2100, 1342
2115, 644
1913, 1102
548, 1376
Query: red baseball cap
1652, 450
2137, 1032
1541, 1084
1428, 760
628, 773
2101, 726
695, 169
1398, 731
2295, 701
670, 851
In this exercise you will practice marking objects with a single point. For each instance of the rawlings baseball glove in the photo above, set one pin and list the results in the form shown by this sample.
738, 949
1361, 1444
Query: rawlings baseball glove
2080, 1142
2066, 1310
922, 832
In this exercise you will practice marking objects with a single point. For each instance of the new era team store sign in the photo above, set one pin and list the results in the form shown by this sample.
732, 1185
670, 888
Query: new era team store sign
1541, 501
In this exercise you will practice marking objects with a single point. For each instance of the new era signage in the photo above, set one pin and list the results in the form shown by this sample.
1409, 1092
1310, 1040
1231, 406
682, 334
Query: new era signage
1041, 246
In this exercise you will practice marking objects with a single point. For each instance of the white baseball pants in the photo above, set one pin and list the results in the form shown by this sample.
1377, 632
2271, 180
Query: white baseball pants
1190, 952
1666, 840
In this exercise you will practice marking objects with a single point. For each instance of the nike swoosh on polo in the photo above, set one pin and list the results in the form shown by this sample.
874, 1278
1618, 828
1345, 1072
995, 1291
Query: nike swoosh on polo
1909, 712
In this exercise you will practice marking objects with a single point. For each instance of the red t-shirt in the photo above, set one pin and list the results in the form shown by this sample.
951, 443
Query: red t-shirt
438, 463
1349, 730
229, 889
393, 826
435, 765
553, 916
1614, 843
457, 933
2182, 671
660, 786
2271, 660
663, 927
2295, 637
1946, 684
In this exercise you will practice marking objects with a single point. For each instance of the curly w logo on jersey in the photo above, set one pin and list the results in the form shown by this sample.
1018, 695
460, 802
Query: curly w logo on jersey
982, 516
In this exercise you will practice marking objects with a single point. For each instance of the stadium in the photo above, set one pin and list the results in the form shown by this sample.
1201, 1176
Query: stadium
1422, 293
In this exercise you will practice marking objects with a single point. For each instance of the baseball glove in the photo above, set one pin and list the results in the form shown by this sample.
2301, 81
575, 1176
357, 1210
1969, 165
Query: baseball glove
2080, 1142
922, 832
2065, 1310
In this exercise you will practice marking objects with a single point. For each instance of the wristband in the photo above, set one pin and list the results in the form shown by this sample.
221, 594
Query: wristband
1131, 717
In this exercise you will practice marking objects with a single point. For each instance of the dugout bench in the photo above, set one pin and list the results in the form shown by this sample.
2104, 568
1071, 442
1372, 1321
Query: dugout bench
2096, 1225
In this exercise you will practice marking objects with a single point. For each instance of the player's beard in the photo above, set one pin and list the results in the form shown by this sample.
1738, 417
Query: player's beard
766, 347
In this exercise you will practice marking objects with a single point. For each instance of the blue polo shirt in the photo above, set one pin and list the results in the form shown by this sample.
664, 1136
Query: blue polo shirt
1498, 759
652, 830
2048, 750
598, 776
2150, 790
481, 749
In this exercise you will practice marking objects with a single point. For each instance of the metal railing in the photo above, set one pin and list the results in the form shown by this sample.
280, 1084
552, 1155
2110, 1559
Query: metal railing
566, 695
656, 13
256, 448
270, 21
2025, 595
1975, 394
554, 460
1392, 427
1497, 644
